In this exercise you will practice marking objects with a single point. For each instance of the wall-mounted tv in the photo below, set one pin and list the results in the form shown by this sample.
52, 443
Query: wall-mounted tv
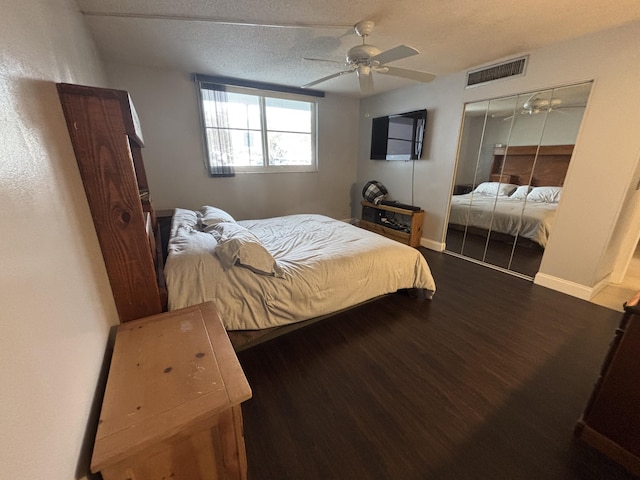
398, 137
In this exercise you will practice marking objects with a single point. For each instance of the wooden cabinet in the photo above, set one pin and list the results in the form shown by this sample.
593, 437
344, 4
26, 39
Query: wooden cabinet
611, 420
399, 224
107, 141
172, 405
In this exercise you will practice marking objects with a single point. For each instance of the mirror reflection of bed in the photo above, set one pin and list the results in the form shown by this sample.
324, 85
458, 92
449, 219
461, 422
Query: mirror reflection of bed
513, 160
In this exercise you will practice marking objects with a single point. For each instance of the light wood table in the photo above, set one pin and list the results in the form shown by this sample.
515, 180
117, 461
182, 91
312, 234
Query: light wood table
172, 405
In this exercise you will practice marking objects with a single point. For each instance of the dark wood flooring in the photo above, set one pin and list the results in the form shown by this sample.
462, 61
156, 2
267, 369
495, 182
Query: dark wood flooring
486, 381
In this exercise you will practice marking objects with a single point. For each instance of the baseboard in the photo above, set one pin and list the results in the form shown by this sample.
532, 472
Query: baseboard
605, 282
431, 245
564, 286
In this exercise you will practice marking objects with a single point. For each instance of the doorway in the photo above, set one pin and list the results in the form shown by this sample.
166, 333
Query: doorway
615, 294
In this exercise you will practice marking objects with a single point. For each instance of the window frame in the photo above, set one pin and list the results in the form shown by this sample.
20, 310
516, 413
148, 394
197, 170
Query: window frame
261, 91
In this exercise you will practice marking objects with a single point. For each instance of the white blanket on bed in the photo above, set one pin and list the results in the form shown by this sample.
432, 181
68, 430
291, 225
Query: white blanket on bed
512, 216
328, 265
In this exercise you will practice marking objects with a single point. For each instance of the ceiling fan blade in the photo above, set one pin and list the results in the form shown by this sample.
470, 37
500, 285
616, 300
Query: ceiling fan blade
366, 79
324, 79
323, 60
393, 54
423, 77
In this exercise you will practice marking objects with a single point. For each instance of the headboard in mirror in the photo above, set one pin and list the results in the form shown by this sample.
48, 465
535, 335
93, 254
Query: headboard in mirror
544, 165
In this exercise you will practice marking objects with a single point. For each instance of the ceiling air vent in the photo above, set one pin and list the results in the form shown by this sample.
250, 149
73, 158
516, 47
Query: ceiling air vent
512, 68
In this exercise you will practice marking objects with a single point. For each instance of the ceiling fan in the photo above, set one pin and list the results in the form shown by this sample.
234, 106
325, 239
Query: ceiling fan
365, 59
534, 106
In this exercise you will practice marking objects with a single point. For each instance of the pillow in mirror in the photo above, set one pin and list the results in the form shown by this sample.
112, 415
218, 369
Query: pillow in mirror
495, 188
521, 192
545, 194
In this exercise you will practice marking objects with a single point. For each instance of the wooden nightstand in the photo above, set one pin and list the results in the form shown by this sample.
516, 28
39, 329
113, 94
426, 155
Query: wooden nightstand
172, 403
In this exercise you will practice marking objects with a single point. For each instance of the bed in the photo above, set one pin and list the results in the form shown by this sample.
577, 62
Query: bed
520, 197
272, 275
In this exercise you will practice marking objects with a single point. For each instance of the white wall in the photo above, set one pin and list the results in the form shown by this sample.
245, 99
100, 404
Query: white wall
601, 171
56, 302
426, 182
166, 102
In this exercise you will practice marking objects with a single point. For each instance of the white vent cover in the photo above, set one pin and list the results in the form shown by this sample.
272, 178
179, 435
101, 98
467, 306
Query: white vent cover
512, 68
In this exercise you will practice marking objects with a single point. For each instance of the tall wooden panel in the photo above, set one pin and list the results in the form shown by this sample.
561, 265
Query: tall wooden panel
106, 139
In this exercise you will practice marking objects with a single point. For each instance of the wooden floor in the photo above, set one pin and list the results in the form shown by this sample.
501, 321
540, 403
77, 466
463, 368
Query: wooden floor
486, 381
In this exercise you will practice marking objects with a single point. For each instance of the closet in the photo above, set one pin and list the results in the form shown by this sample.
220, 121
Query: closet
513, 157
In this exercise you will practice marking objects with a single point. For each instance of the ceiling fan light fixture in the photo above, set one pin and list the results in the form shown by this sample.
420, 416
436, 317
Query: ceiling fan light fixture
365, 59
363, 70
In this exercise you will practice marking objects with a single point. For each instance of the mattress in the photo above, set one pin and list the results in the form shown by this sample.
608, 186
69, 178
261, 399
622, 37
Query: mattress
324, 266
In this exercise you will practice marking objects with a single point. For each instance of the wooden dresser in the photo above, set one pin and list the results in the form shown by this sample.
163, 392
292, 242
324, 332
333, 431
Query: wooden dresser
172, 403
611, 420
107, 141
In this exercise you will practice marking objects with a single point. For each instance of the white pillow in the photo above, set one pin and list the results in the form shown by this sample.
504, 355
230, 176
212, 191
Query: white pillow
238, 245
521, 192
495, 188
184, 218
210, 216
545, 194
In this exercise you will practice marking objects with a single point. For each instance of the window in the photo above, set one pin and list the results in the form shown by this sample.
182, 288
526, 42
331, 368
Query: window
256, 130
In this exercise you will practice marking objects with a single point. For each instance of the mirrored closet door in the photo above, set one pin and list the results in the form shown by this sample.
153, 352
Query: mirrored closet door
513, 157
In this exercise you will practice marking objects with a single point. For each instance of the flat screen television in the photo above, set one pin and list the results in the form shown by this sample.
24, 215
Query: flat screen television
398, 137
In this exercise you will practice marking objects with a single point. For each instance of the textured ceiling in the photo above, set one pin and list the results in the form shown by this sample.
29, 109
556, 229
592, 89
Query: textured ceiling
451, 36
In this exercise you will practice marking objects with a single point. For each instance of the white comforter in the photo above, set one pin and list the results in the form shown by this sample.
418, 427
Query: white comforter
328, 265
527, 219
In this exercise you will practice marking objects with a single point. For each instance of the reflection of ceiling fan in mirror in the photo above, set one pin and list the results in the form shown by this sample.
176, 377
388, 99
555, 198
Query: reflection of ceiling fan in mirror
365, 59
534, 106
